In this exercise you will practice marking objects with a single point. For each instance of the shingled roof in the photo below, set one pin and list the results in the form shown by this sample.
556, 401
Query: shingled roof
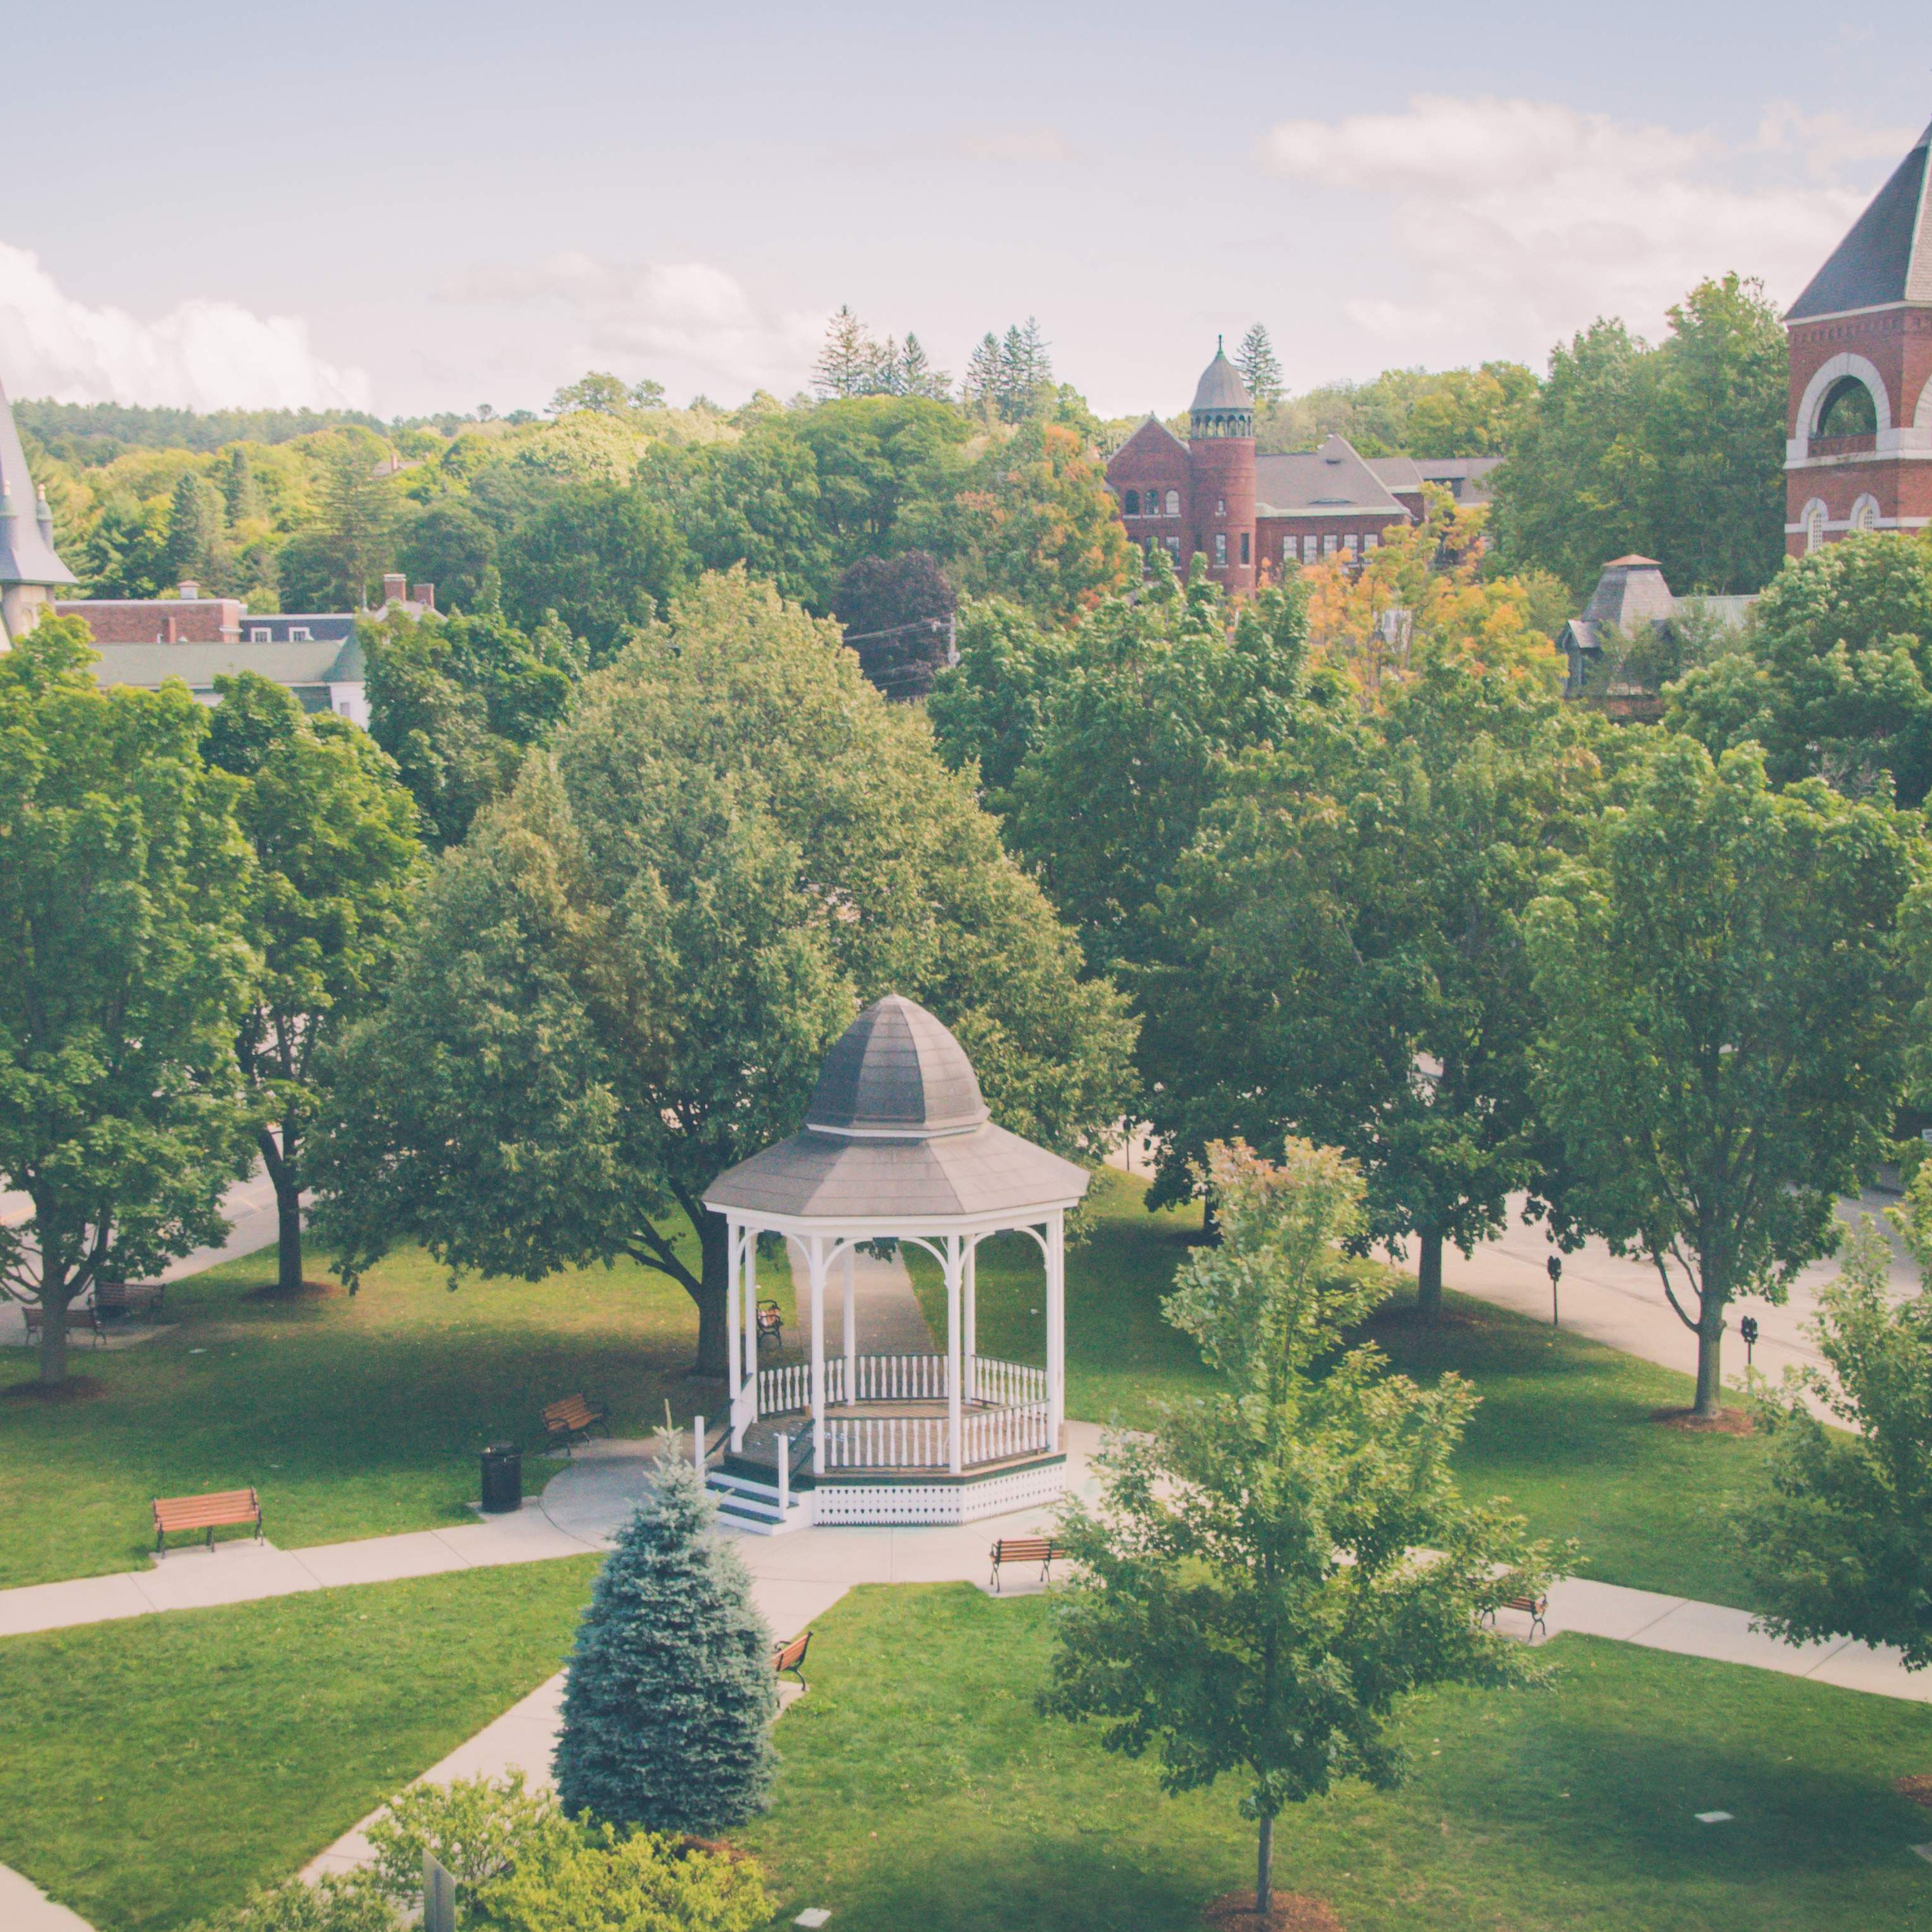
897, 1131
1887, 257
1221, 387
1333, 481
26, 542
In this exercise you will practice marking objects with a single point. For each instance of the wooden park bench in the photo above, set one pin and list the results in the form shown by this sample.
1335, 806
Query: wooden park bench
1533, 1607
572, 1420
771, 1324
1040, 1550
128, 1297
80, 1320
791, 1657
216, 1510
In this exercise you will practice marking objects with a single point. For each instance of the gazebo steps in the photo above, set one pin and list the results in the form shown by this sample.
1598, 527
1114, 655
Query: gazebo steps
749, 1504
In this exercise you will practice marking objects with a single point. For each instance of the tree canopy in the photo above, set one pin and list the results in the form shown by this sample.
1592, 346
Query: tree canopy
626, 978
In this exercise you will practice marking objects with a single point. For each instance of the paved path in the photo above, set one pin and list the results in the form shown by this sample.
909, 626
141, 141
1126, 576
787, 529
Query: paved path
1620, 1302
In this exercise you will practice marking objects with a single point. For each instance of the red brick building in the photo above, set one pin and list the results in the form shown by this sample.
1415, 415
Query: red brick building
1255, 517
1859, 456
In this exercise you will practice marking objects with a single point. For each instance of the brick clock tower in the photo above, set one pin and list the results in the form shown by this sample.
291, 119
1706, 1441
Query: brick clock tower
1199, 495
1859, 456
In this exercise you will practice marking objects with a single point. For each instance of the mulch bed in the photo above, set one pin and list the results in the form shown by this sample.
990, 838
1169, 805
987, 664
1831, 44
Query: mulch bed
1918, 1787
308, 1291
1726, 1422
76, 1388
1293, 1912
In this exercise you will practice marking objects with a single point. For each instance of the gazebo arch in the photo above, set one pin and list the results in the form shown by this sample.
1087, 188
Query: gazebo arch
898, 1145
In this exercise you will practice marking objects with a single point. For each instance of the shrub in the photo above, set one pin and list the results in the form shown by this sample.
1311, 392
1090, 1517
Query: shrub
334, 1905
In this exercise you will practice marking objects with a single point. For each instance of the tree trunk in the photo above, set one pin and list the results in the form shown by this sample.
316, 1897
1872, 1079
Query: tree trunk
1710, 1354
55, 1296
1264, 1869
280, 1160
1429, 1272
714, 1245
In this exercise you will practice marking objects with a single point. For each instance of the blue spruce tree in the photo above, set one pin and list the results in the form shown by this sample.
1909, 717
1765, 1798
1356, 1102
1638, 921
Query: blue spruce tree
669, 1702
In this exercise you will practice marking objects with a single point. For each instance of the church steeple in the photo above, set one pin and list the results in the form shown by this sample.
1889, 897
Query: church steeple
29, 568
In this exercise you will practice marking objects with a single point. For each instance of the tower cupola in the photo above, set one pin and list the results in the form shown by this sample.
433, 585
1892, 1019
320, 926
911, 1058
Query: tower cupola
1222, 406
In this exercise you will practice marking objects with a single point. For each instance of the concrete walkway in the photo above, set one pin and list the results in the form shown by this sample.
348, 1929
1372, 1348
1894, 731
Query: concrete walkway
1620, 1302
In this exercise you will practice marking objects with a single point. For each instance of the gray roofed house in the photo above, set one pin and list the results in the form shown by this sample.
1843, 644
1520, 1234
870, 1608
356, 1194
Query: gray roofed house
1632, 605
1331, 481
325, 673
29, 568
1887, 257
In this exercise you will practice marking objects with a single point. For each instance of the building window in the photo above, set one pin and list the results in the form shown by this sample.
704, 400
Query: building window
1133, 506
1220, 506
1327, 546
259, 634
299, 635
1173, 503
1311, 547
1371, 541
1245, 540
1220, 550
1814, 526
1174, 548
1349, 543
1865, 515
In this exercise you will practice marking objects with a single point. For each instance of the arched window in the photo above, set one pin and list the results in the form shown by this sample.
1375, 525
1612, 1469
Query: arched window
1865, 515
1174, 502
1814, 525
1133, 506
1847, 409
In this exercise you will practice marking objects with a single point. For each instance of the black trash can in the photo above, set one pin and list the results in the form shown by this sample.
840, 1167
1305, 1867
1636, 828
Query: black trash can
502, 1478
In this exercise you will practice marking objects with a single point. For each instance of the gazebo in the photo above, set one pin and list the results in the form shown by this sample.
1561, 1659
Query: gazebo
898, 1145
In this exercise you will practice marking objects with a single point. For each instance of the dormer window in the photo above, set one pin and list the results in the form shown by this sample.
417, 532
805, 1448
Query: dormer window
260, 634
298, 635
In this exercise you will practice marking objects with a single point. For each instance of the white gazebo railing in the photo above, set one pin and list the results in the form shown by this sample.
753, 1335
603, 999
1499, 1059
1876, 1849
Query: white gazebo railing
787, 1391
926, 1441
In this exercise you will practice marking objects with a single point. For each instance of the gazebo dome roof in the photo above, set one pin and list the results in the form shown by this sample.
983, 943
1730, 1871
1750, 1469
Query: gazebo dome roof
897, 1130
896, 1072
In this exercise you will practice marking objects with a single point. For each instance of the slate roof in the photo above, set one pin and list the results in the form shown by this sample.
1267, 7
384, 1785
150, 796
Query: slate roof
1887, 257
326, 660
1631, 591
1221, 387
1333, 480
897, 1130
26, 554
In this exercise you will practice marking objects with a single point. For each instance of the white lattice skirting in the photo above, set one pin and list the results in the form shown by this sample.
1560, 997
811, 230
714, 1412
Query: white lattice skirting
965, 1501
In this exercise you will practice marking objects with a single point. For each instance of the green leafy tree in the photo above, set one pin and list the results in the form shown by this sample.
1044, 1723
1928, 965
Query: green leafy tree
626, 978
989, 708
334, 836
1724, 984
1272, 1571
1349, 958
1676, 452
195, 541
336, 561
600, 393
1835, 676
1260, 368
603, 556
669, 1696
123, 895
124, 553
1838, 1538
454, 701
1035, 523
448, 545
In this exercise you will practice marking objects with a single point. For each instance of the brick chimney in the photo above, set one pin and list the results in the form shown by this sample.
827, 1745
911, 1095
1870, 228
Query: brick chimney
187, 588
424, 594
395, 587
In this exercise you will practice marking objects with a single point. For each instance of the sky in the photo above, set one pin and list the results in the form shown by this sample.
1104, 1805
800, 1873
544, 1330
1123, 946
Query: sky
416, 207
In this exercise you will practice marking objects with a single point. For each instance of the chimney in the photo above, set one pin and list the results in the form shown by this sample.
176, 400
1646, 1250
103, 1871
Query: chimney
43, 512
424, 594
187, 588
395, 587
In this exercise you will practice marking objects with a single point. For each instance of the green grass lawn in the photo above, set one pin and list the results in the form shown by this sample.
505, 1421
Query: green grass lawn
152, 1770
920, 1789
1564, 1428
353, 1416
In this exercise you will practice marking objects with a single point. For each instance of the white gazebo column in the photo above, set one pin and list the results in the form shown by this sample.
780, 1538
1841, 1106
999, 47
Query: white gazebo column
814, 1256
734, 1250
851, 1330
1056, 1327
954, 1268
752, 1323
969, 1301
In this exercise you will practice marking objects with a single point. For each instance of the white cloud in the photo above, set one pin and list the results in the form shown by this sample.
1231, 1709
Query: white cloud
674, 319
1027, 146
202, 354
1516, 223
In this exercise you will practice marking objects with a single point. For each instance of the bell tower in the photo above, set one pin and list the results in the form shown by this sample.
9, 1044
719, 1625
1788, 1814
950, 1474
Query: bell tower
1221, 462
1859, 455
